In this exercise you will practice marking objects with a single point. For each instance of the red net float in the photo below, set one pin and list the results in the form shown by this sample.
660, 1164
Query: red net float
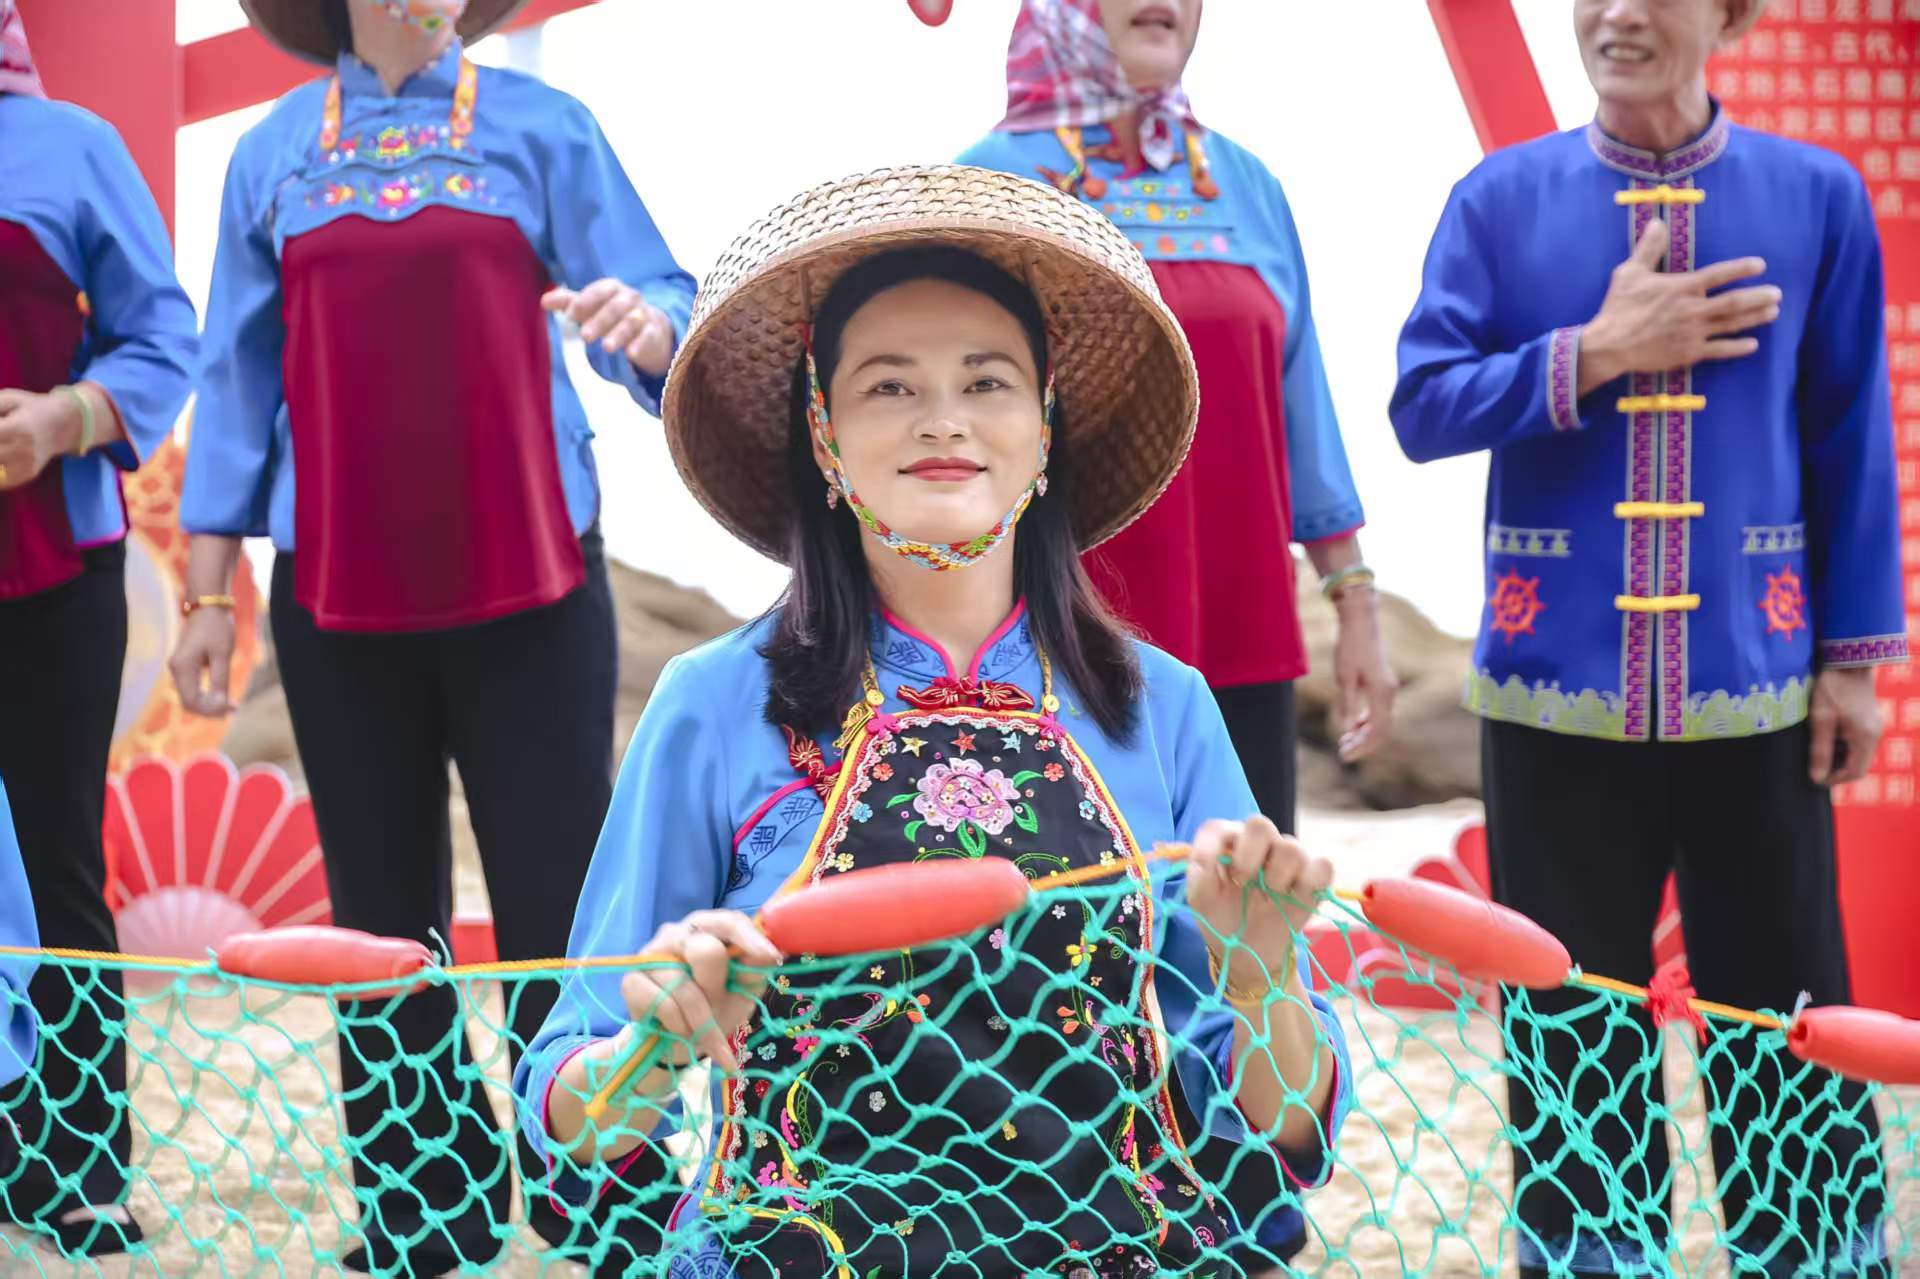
321, 955
894, 907
1861, 1043
931, 12
1479, 938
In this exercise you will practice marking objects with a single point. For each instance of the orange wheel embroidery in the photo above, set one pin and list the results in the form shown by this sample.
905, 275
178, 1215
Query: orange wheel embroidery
1515, 603
1784, 604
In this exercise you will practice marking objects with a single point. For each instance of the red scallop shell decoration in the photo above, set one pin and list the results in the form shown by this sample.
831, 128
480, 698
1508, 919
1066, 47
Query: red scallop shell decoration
200, 851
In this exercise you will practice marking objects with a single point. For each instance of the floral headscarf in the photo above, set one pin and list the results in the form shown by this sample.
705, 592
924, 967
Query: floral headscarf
1062, 73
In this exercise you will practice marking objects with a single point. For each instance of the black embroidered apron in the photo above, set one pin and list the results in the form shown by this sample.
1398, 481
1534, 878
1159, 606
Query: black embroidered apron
992, 1107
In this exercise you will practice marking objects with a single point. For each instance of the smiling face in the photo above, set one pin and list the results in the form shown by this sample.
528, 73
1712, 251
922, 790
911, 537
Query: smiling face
937, 410
1647, 52
1152, 38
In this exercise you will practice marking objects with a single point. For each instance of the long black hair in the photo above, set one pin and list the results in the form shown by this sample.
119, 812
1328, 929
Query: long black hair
818, 648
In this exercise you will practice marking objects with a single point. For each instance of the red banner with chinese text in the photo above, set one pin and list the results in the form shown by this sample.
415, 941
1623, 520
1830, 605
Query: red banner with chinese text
1845, 74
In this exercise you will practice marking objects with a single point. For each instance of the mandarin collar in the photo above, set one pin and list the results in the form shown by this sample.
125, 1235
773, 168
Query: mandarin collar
435, 80
904, 655
1663, 167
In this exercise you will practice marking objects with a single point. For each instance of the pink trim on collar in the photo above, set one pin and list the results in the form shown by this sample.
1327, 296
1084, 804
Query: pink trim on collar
1000, 632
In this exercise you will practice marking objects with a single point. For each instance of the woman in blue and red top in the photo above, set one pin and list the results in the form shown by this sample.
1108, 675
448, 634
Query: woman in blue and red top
385, 396
96, 344
1095, 106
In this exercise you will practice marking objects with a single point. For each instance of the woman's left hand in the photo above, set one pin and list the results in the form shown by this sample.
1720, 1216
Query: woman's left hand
619, 319
1231, 898
1367, 682
34, 430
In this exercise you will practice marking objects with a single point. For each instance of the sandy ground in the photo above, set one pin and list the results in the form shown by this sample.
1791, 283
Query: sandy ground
239, 1172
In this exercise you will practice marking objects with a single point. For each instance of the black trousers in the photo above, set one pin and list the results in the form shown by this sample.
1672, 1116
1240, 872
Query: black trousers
1265, 730
1582, 834
523, 706
63, 650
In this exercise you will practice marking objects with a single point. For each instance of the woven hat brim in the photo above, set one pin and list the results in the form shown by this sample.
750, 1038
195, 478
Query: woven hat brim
301, 28
1124, 375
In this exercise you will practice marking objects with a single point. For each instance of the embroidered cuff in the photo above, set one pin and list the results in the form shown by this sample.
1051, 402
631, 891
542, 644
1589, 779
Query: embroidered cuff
1307, 1170
569, 1184
1563, 378
1874, 650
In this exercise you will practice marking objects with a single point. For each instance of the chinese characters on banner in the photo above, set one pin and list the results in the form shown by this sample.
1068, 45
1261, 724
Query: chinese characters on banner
1845, 74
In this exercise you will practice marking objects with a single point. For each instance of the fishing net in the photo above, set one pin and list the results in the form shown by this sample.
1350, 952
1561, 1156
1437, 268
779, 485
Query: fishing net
1482, 1120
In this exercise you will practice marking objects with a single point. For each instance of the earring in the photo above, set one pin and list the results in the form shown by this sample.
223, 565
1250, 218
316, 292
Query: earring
833, 493
1040, 485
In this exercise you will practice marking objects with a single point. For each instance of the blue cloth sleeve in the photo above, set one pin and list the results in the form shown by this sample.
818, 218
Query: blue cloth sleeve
240, 392
143, 339
1325, 501
1209, 783
662, 855
18, 1027
599, 227
1459, 390
1845, 405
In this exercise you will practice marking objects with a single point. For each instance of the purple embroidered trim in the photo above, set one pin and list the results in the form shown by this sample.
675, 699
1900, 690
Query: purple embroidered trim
1655, 168
1675, 431
1563, 378
1864, 652
1636, 675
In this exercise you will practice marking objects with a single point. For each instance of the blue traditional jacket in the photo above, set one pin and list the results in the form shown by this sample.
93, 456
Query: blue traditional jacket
66, 176
17, 1024
534, 155
709, 813
1674, 555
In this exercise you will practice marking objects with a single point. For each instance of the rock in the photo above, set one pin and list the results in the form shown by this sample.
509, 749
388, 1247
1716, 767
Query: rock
1434, 755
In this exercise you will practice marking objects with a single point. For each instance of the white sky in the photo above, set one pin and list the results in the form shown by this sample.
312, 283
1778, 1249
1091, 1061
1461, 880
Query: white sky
723, 108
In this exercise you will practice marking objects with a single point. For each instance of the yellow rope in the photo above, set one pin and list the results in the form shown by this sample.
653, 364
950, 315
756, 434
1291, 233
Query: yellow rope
1047, 883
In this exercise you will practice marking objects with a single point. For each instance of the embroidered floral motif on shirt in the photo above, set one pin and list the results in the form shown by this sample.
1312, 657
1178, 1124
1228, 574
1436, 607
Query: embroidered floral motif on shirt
1784, 604
1515, 604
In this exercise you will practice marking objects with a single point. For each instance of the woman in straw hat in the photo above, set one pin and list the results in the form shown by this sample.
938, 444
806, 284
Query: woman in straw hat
385, 396
1095, 107
927, 391
96, 342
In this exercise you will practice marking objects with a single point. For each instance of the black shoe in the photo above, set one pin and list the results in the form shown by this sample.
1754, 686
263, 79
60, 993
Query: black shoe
417, 1263
94, 1236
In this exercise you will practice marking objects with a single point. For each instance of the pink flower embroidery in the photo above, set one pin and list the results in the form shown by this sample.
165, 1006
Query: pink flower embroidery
964, 791
806, 1044
1053, 772
997, 938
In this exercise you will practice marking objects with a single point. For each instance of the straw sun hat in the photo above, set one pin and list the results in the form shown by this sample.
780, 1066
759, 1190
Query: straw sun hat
302, 27
1123, 373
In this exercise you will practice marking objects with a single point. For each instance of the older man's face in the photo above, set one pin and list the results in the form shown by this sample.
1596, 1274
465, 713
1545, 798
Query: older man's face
1646, 51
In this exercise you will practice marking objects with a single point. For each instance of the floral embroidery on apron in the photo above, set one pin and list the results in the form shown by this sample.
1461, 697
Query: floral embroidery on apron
1007, 1102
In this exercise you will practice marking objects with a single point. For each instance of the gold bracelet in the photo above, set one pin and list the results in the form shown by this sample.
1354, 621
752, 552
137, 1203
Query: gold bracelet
194, 603
86, 417
1240, 996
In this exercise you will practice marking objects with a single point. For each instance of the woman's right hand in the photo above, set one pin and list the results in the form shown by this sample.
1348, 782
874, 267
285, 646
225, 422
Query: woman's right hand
202, 662
694, 1004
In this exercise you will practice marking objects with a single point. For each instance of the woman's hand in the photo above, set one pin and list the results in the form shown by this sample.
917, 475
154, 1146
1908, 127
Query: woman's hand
690, 1003
34, 430
1246, 895
1367, 683
619, 319
202, 662
694, 1004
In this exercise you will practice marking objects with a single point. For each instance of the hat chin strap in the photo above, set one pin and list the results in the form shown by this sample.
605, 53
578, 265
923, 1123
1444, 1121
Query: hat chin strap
936, 557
